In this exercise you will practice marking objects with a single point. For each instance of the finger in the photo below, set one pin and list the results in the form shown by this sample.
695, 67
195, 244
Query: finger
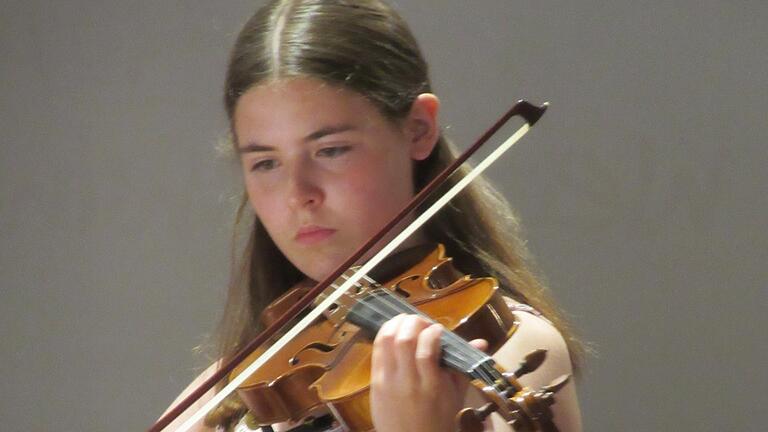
406, 342
427, 356
460, 383
480, 344
460, 380
383, 362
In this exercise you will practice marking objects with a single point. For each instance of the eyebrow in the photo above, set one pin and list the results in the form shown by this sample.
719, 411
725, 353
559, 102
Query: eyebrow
314, 136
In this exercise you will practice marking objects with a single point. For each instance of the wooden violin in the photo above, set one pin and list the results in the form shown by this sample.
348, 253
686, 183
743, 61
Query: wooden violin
329, 364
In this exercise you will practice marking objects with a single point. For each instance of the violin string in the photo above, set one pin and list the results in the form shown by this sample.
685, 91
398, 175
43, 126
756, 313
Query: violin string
466, 353
463, 352
462, 356
484, 369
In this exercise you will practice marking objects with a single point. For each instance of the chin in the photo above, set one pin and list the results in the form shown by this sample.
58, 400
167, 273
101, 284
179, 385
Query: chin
315, 269
320, 268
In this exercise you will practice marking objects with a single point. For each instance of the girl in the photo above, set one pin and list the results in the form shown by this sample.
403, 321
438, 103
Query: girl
336, 128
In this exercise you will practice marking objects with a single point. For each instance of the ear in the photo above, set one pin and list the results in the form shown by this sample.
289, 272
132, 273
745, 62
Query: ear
421, 126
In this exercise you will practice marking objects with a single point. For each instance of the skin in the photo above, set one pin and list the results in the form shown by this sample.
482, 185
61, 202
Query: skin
324, 170
321, 159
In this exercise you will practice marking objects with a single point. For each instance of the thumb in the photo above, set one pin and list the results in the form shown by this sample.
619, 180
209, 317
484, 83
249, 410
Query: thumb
480, 344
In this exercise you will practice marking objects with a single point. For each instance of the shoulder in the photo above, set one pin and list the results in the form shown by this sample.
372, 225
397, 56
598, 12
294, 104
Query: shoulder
536, 332
199, 426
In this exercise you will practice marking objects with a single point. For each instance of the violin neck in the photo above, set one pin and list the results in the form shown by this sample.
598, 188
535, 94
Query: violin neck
381, 305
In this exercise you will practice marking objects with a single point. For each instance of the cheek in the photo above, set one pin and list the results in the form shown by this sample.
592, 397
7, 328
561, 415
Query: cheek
374, 195
263, 205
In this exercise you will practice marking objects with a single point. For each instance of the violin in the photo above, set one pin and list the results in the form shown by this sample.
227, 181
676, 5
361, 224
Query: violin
329, 364
325, 358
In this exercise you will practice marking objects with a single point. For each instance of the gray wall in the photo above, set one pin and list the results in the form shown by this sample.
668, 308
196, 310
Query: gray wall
643, 192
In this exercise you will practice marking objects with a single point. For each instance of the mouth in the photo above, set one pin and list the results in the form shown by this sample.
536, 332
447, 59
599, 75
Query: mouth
311, 234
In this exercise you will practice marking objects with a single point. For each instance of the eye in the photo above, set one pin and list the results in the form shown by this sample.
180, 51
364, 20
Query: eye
333, 151
264, 165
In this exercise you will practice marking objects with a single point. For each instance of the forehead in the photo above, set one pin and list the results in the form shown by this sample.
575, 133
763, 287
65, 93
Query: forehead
300, 106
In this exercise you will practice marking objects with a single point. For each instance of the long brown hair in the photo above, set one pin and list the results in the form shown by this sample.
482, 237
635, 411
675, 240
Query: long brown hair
365, 46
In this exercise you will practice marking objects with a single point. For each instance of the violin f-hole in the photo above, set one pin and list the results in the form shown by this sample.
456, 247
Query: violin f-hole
399, 290
293, 361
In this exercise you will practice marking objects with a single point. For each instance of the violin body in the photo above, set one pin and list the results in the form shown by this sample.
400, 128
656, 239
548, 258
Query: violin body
330, 363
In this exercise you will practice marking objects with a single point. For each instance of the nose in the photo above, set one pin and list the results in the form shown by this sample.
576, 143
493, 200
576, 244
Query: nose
304, 190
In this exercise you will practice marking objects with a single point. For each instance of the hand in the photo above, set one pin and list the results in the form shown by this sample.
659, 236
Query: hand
409, 389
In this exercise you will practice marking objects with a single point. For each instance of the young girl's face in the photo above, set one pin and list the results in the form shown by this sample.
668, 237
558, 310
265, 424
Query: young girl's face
323, 169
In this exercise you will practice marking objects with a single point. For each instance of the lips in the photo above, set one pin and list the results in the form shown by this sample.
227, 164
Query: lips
312, 234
